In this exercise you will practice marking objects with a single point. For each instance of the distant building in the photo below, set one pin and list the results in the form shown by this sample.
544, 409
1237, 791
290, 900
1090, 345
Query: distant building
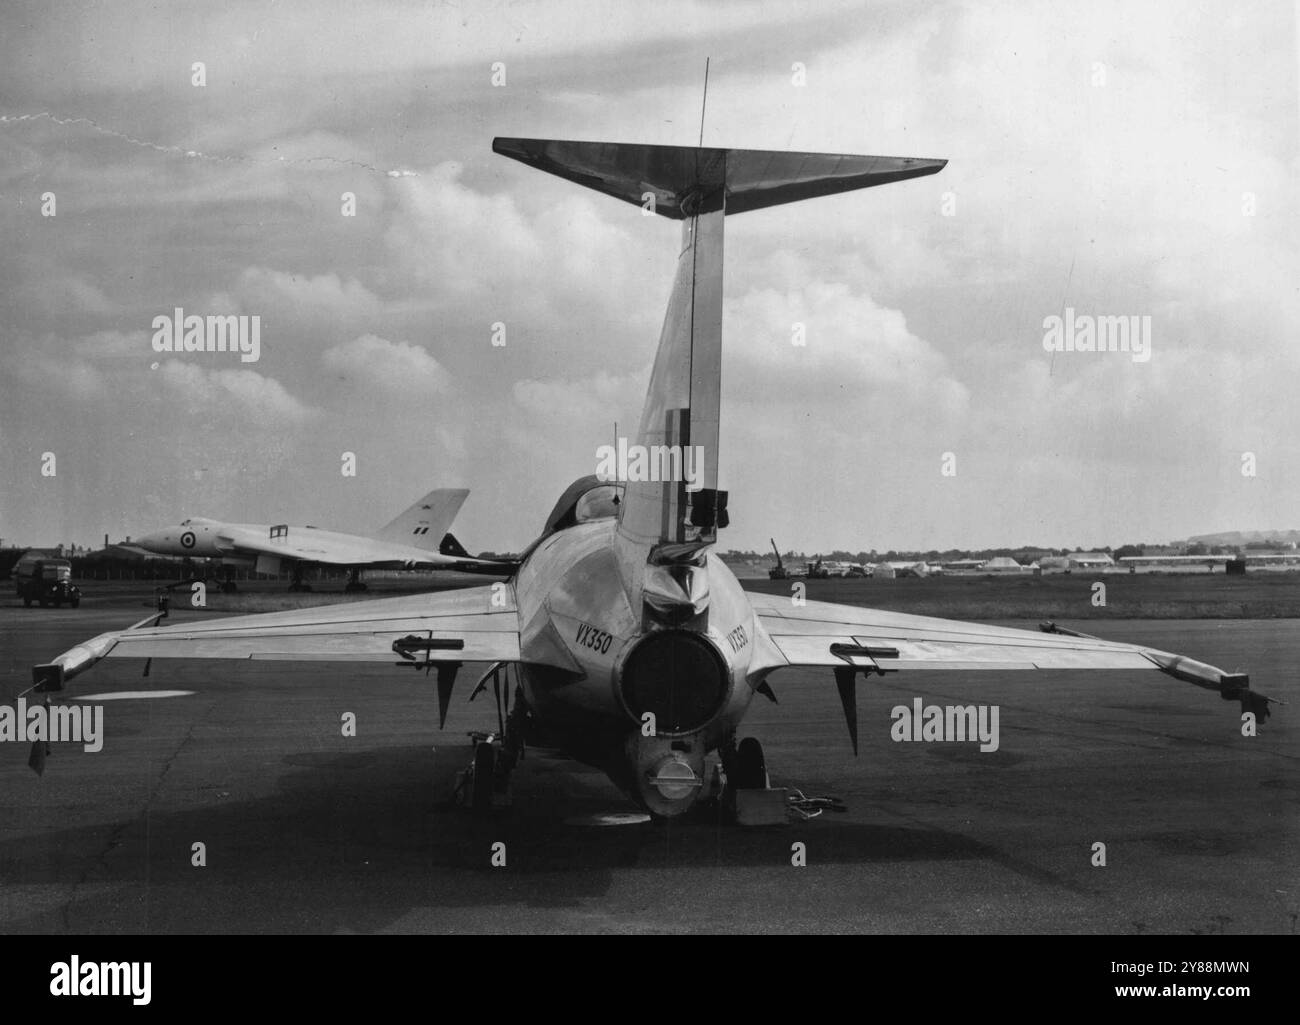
1003, 564
963, 564
1090, 560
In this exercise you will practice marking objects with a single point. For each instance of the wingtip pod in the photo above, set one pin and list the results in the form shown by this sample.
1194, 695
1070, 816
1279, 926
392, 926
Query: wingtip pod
680, 181
50, 677
1231, 686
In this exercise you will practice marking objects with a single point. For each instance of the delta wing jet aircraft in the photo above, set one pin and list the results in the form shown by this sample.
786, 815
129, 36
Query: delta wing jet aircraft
416, 539
633, 645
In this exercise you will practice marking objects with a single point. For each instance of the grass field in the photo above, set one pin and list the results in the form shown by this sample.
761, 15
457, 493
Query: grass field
1059, 596
1066, 596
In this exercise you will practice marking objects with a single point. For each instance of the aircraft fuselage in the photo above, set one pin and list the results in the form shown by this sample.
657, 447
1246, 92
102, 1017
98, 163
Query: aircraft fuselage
640, 698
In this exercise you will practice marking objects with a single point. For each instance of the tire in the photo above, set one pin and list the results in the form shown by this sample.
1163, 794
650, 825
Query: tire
750, 768
27, 603
485, 762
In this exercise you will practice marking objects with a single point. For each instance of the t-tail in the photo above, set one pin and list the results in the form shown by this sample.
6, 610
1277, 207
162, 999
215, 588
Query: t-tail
672, 508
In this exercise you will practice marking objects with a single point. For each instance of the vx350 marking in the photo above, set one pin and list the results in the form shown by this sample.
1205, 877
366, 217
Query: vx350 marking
597, 640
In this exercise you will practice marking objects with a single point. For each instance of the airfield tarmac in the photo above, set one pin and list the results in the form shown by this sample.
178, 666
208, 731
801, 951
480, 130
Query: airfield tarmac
309, 831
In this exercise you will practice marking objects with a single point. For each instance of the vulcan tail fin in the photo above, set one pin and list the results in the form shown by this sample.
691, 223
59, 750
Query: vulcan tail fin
678, 437
425, 523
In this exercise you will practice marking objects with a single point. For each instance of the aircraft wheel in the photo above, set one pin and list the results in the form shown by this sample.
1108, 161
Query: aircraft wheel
751, 769
485, 763
228, 587
27, 603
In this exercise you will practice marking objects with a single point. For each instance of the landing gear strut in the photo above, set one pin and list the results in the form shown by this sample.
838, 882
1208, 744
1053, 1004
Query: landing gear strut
228, 585
354, 582
485, 783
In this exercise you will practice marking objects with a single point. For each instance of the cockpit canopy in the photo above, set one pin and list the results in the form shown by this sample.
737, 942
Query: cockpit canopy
586, 499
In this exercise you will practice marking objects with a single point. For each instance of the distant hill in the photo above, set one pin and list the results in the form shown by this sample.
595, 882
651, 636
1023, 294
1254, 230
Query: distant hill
1243, 537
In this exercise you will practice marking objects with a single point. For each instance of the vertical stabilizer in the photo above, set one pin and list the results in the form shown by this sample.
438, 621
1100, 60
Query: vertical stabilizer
666, 521
426, 522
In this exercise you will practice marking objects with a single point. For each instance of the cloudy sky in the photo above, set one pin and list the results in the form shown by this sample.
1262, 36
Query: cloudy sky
1119, 159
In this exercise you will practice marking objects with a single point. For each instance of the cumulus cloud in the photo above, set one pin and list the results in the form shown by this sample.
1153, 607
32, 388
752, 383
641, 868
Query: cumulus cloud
322, 298
115, 345
237, 394
388, 368
823, 339
1161, 189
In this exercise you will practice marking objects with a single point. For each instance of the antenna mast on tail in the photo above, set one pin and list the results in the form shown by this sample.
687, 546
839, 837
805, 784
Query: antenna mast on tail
704, 102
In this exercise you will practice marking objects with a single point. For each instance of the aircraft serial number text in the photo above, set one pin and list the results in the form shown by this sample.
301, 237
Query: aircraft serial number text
596, 640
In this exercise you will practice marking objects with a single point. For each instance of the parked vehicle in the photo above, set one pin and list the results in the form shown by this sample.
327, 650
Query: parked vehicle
777, 572
48, 581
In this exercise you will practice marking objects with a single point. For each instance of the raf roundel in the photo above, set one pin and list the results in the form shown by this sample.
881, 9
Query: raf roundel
187, 539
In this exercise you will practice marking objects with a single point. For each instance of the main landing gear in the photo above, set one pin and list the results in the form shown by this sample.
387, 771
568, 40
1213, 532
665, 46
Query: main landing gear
228, 585
751, 800
485, 783
744, 766
748, 798
354, 583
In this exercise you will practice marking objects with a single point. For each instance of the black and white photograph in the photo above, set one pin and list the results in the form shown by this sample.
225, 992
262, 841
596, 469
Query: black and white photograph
696, 468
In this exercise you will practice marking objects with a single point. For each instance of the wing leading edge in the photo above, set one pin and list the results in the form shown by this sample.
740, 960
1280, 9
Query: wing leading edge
478, 624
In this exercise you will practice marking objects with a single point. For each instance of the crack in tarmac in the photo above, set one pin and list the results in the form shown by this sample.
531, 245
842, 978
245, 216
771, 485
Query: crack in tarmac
115, 836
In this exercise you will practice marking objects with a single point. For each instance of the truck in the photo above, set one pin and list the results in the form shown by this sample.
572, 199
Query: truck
48, 581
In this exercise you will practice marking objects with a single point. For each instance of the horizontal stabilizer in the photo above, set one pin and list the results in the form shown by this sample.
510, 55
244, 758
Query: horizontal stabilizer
689, 180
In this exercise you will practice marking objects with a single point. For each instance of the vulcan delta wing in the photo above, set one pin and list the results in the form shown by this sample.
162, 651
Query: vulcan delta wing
633, 646
418, 538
